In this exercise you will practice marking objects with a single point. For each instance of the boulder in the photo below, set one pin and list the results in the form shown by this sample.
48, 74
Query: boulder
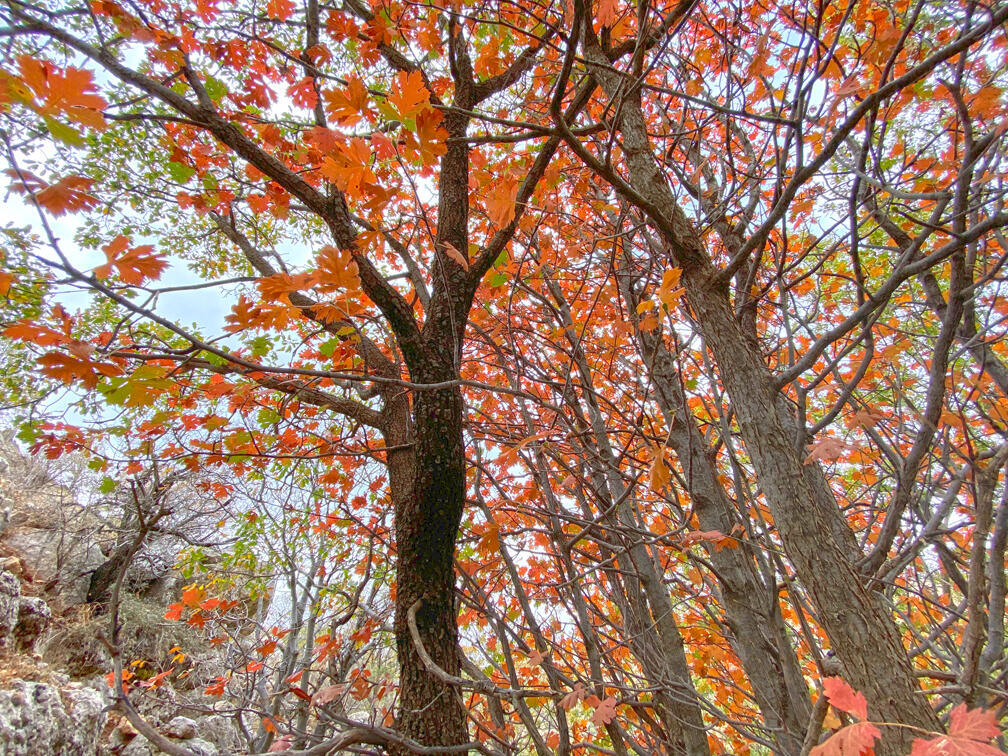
221, 731
10, 606
140, 746
181, 728
60, 560
39, 718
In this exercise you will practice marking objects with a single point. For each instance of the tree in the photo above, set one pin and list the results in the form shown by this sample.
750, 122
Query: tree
640, 260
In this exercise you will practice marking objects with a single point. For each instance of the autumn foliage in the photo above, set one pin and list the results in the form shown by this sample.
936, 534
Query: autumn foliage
585, 377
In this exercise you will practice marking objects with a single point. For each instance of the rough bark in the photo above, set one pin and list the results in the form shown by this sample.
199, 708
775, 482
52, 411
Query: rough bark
758, 633
427, 523
816, 536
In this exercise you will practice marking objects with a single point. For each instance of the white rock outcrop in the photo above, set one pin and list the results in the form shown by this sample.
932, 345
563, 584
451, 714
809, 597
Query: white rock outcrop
39, 718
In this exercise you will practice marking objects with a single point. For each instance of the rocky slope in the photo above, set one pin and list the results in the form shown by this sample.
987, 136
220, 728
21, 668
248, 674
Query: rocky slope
54, 695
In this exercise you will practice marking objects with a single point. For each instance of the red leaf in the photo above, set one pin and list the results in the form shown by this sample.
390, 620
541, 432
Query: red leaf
279, 9
853, 740
300, 693
970, 732
973, 724
842, 696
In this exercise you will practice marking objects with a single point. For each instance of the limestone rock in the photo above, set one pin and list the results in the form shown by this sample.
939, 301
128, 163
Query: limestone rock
181, 728
34, 616
10, 606
140, 746
39, 718
57, 558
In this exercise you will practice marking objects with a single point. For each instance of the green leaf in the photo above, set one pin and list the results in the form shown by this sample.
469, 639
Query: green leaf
108, 485
268, 416
180, 172
215, 88
27, 434
261, 346
63, 133
329, 347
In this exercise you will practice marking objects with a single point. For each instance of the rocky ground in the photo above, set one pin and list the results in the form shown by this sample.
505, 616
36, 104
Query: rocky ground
54, 662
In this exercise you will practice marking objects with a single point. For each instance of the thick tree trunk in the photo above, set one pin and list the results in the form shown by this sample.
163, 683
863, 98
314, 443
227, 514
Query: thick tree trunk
427, 521
816, 537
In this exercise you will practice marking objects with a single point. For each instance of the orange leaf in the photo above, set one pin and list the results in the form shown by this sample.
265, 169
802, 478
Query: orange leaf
193, 597
659, 472
327, 694
500, 201
217, 688
69, 369
348, 106
607, 13
827, 449
279, 9
132, 265
605, 712
68, 195
569, 701
452, 252
267, 648
410, 96
69, 92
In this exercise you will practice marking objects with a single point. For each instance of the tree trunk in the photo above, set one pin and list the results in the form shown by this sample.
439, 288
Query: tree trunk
427, 522
758, 634
815, 534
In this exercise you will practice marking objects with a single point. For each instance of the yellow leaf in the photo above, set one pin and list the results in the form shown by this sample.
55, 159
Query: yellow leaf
670, 292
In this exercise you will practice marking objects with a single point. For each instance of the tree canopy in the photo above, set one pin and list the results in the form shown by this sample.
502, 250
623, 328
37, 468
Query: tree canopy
633, 375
